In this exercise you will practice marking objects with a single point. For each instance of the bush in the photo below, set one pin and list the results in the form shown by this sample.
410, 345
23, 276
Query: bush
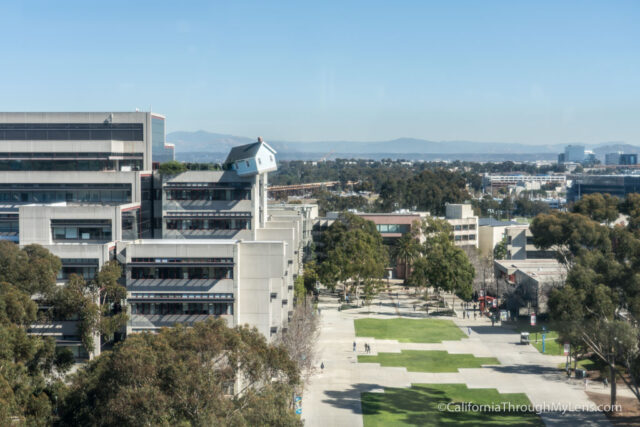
172, 168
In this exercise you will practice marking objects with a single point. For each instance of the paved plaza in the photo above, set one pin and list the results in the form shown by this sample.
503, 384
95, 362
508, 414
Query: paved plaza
332, 397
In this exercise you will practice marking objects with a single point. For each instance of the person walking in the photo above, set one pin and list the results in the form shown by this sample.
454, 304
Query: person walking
322, 367
354, 346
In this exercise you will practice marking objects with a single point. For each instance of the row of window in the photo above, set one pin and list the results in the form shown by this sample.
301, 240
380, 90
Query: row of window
77, 196
183, 260
215, 309
393, 228
216, 273
86, 272
208, 224
208, 194
145, 295
70, 165
71, 131
464, 237
76, 233
459, 227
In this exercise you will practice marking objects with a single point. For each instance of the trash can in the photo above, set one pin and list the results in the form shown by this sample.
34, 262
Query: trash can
524, 337
581, 373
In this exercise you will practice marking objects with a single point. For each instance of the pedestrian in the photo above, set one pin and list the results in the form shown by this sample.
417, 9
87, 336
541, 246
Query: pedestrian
605, 382
414, 307
586, 382
493, 321
319, 311
469, 331
474, 314
322, 367
354, 346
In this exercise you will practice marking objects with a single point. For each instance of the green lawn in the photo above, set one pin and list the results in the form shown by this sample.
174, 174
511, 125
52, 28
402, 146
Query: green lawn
551, 344
409, 330
586, 364
418, 406
429, 361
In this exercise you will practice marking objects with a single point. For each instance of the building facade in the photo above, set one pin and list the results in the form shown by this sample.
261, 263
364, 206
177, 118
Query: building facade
192, 245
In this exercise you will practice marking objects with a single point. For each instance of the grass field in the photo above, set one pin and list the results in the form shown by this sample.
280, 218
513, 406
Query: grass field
553, 347
409, 330
419, 406
429, 361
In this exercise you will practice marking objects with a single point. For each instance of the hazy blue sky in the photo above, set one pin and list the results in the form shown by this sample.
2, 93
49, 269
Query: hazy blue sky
537, 72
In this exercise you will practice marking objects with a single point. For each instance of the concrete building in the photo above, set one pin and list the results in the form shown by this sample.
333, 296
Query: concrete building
464, 223
197, 244
491, 232
520, 244
529, 282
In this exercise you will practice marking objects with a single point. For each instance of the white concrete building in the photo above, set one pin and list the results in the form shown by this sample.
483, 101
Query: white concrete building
464, 223
197, 244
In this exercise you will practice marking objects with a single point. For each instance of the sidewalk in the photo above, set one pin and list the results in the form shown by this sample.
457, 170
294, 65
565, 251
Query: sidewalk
333, 396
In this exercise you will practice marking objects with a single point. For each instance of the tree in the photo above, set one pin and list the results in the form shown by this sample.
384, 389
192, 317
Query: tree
186, 376
443, 265
500, 251
600, 301
172, 167
300, 336
598, 207
352, 254
32, 269
404, 251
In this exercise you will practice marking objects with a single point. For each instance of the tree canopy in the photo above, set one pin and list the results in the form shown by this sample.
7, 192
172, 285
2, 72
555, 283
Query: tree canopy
185, 376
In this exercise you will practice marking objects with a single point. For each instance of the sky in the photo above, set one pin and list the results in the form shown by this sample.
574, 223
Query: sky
538, 72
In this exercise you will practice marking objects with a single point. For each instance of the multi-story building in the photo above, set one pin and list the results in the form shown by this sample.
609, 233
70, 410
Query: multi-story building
197, 244
464, 223
574, 154
616, 185
491, 232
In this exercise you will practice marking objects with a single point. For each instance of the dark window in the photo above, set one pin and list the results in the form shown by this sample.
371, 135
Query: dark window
72, 131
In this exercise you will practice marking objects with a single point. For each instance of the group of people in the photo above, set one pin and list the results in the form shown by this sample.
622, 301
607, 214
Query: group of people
367, 347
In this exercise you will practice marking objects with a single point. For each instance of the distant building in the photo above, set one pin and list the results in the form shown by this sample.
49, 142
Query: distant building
629, 159
491, 232
616, 185
464, 223
574, 154
392, 226
612, 158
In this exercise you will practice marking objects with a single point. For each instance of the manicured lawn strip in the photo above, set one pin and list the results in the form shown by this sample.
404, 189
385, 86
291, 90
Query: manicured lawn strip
429, 360
409, 330
552, 346
418, 406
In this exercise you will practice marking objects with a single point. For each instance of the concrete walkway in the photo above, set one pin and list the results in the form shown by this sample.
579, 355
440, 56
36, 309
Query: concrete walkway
333, 397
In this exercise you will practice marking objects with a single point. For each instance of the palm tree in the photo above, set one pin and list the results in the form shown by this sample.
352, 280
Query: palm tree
404, 251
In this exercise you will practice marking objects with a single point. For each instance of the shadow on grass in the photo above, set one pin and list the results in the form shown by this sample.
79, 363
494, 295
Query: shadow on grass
425, 405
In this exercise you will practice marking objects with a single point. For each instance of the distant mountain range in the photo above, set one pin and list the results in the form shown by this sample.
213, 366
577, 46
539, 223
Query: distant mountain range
208, 146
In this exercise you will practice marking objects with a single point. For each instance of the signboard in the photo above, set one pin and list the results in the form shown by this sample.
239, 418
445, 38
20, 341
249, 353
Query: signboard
495, 303
481, 293
533, 319
298, 405
504, 315
566, 349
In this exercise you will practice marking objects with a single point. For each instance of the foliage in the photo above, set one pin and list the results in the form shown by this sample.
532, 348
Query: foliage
352, 252
172, 167
500, 251
442, 264
32, 269
599, 305
405, 250
185, 376
26, 362
300, 337
598, 207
